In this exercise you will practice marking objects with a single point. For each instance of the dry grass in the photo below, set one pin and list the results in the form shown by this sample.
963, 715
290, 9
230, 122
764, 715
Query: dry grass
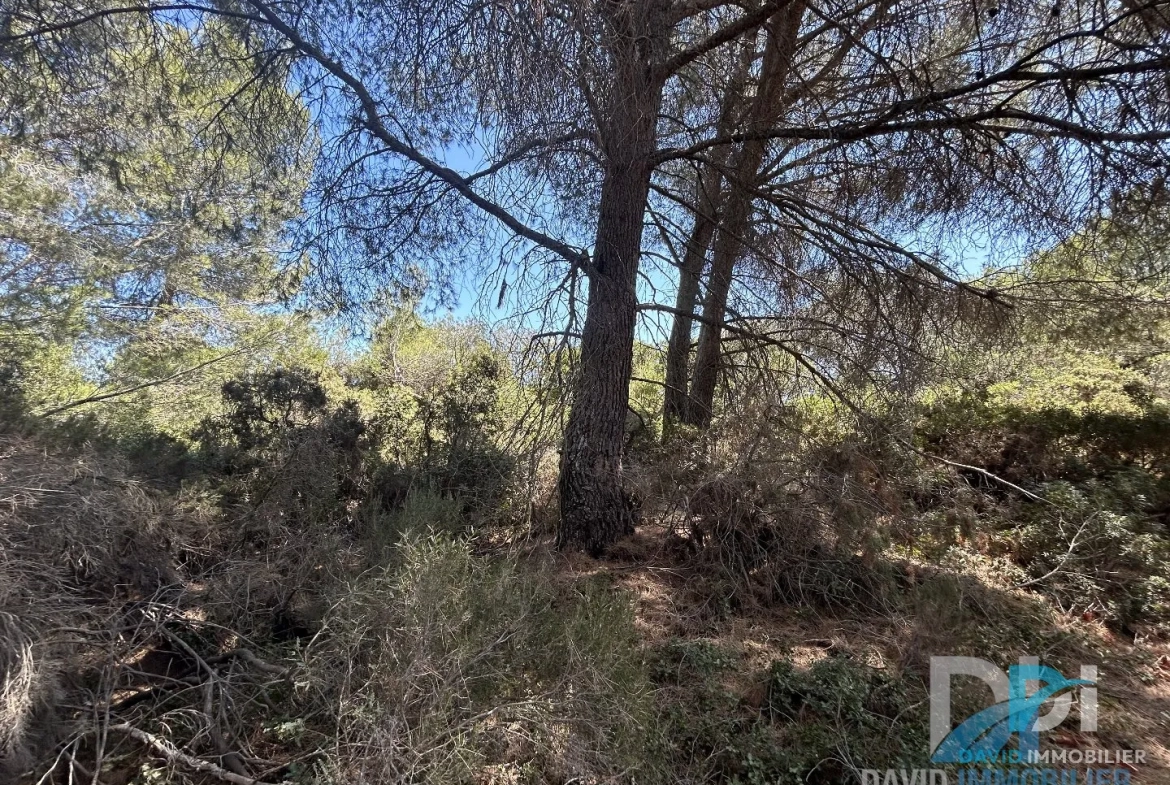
449, 667
155, 637
158, 637
938, 611
71, 537
124, 606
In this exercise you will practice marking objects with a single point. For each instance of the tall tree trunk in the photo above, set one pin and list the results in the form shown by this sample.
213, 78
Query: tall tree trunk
678, 349
708, 204
595, 510
728, 246
737, 209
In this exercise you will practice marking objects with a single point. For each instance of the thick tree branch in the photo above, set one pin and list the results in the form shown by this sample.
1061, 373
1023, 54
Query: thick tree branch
722, 36
1045, 127
372, 121
105, 13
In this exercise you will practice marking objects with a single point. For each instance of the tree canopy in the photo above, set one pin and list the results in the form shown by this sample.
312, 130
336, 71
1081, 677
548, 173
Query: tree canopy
801, 178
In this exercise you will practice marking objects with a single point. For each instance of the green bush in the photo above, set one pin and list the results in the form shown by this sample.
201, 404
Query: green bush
793, 726
842, 715
445, 667
1077, 416
423, 512
282, 451
1093, 550
460, 425
1090, 437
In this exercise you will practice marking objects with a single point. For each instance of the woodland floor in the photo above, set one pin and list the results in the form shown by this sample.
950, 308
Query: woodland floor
672, 605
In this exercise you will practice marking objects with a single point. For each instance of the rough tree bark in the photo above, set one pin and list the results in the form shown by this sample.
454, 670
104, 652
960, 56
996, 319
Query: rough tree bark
594, 508
678, 349
708, 201
737, 207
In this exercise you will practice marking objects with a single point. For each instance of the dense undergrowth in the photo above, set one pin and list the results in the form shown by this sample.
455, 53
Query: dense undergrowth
265, 518
323, 580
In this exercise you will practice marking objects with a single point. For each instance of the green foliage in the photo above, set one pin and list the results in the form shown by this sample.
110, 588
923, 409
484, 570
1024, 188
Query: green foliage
644, 423
144, 188
443, 664
680, 659
1073, 415
809, 725
392, 448
459, 427
196, 368
31, 373
284, 450
102, 233
704, 734
841, 712
1108, 283
1090, 435
423, 513
269, 402
436, 396
1095, 551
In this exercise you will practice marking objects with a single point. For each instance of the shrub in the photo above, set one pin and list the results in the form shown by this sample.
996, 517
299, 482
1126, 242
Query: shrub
814, 725
809, 551
843, 715
1095, 553
460, 425
445, 667
260, 410
1077, 417
422, 513
287, 455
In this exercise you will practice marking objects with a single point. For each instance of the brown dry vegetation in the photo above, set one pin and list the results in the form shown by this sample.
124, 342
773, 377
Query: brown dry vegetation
152, 635
835, 332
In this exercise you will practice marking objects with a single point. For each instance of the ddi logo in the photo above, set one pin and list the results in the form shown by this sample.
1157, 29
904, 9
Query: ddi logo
1020, 695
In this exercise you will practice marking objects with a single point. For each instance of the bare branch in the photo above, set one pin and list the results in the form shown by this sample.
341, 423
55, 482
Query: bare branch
372, 120
730, 32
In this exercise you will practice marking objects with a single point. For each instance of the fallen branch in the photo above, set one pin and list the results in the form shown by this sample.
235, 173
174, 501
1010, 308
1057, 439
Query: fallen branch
174, 755
247, 656
229, 758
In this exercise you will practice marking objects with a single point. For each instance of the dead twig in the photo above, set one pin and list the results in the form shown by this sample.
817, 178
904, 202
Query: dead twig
230, 758
249, 657
1063, 560
174, 755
